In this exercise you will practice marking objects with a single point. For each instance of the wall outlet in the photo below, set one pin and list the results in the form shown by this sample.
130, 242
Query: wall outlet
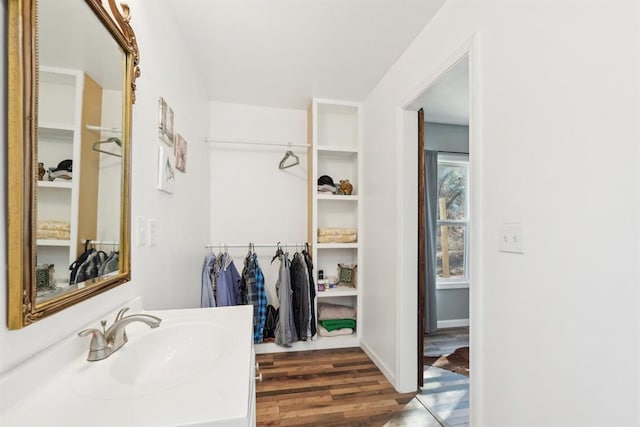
153, 231
511, 238
141, 231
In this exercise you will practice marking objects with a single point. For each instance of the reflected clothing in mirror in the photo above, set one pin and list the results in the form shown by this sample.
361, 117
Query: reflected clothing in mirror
93, 264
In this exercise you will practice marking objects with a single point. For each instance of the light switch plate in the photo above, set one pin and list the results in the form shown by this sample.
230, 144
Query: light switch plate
153, 231
141, 231
511, 238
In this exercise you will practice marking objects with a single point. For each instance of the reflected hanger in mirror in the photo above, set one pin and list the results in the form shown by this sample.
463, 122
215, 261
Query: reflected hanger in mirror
113, 139
289, 160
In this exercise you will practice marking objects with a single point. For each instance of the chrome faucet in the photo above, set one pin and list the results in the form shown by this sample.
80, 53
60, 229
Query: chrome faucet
106, 342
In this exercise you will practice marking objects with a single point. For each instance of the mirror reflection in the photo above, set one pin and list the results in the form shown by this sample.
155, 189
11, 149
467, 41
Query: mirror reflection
79, 150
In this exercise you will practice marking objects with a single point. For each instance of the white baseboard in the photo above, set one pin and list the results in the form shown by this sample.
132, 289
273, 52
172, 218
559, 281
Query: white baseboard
454, 323
375, 359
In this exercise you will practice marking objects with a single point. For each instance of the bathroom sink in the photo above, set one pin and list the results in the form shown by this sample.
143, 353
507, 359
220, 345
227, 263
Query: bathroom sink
196, 369
155, 359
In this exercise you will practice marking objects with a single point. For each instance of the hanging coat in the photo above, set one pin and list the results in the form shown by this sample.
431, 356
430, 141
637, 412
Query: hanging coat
286, 328
227, 283
207, 298
312, 293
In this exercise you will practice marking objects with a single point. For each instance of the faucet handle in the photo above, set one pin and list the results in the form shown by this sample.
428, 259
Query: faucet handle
121, 313
98, 341
98, 349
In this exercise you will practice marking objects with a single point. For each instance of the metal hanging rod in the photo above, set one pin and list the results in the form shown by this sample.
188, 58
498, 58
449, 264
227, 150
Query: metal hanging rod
102, 242
217, 140
255, 245
104, 129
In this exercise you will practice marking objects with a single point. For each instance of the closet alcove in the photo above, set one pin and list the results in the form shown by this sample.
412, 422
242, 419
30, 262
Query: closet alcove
334, 145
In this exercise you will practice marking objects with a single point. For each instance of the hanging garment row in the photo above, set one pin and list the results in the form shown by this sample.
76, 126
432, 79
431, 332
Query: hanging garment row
94, 262
294, 320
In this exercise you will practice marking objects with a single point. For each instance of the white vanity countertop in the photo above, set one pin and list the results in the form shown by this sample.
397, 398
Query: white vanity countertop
214, 393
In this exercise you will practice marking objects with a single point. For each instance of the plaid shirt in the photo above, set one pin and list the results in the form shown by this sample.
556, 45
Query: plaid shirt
253, 282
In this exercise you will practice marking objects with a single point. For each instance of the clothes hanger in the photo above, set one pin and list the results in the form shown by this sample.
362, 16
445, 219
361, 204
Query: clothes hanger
96, 146
278, 253
289, 155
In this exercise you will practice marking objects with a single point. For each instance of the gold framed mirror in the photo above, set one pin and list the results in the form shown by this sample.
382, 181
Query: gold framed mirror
72, 67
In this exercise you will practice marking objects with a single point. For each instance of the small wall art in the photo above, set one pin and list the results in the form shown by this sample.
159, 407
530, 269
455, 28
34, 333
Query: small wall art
166, 170
165, 122
180, 149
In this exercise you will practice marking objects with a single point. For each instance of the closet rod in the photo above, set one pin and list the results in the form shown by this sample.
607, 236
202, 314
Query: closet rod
102, 242
217, 140
255, 245
104, 129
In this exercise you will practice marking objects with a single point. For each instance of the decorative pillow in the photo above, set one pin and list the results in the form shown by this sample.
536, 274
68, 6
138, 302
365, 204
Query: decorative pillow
347, 275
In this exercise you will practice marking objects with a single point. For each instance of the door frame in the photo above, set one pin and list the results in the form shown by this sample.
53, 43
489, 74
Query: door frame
407, 296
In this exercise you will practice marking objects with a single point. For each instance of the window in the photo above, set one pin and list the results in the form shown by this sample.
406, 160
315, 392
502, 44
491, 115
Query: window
452, 246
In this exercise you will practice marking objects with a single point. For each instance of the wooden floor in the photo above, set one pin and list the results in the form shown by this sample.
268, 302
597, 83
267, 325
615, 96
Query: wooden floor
332, 387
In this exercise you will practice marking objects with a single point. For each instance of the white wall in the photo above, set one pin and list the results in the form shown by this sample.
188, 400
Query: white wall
168, 274
555, 148
252, 200
109, 183
446, 137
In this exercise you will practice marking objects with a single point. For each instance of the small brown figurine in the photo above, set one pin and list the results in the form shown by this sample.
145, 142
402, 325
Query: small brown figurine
41, 171
346, 187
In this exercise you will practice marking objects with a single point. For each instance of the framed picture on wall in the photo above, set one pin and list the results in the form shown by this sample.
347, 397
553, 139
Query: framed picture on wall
165, 121
180, 149
166, 170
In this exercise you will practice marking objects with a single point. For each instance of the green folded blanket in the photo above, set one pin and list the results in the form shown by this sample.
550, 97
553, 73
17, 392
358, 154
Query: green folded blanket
333, 324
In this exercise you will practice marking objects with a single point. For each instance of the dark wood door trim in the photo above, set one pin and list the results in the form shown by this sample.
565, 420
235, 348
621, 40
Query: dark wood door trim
422, 229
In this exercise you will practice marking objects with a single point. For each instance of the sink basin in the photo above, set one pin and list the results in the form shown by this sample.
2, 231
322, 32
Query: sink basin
196, 368
161, 358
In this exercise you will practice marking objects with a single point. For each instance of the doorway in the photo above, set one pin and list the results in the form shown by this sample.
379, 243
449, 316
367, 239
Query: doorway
444, 216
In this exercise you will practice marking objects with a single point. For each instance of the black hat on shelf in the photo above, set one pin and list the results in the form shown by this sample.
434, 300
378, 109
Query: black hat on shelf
326, 180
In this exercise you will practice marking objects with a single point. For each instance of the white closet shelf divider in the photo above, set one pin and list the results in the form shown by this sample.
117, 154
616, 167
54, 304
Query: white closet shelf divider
53, 242
55, 184
337, 197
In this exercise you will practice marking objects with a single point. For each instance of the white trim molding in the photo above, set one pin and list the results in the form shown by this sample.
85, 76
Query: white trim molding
383, 368
453, 323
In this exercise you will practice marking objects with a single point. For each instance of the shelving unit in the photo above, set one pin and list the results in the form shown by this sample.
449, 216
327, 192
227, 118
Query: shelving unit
60, 116
335, 138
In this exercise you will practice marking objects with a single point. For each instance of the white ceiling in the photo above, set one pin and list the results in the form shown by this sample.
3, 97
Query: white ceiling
281, 53
71, 36
447, 100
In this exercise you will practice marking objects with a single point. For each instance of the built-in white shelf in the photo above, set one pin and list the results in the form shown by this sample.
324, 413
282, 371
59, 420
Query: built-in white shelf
337, 150
53, 242
321, 343
338, 245
337, 292
55, 184
336, 197
56, 130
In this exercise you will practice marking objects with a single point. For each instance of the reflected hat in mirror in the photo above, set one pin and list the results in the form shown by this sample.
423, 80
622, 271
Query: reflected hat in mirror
65, 165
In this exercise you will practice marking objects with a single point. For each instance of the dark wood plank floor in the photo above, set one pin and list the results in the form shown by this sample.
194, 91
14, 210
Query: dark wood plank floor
332, 387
